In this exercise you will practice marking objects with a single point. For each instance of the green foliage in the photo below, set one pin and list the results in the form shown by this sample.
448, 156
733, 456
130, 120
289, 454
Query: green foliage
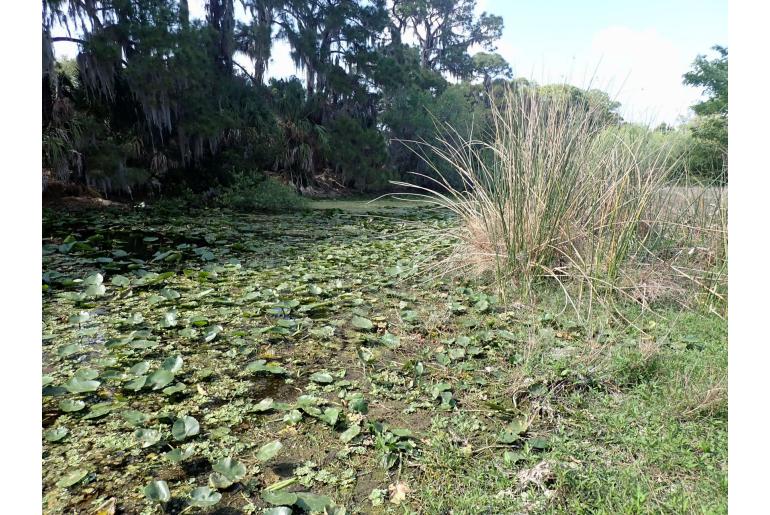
708, 157
359, 154
255, 192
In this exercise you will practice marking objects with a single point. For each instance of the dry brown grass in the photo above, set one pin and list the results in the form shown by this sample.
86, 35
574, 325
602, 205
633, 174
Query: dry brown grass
553, 193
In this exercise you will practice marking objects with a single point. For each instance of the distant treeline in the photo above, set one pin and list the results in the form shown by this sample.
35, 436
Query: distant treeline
157, 101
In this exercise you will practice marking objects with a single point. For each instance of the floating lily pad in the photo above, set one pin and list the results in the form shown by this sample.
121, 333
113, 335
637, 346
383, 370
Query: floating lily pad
71, 478
77, 385
279, 498
56, 434
70, 405
134, 417
180, 453
160, 378
204, 497
173, 363
148, 437
361, 323
136, 384
140, 368
157, 491
350, 433
321, 377
269, 450
120, 281
230, 468
99, 410
185, 427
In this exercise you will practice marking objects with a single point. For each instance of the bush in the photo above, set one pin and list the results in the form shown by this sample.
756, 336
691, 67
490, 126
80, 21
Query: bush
255, 192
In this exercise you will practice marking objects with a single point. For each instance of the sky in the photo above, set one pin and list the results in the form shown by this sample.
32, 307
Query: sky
637, 51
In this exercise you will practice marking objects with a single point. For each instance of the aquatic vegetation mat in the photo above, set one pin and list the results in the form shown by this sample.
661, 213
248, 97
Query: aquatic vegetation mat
235, 363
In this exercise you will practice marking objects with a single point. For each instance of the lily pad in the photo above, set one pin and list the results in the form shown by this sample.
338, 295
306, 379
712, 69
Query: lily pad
160, 378
134, 417
56, 434
71, 478
70, 405
313, 502
185, 427
361, 323
77, 385
173, 364
204, 497
230, 468
157, 491
180, 453
279, 498
322, 377
269, 450
148, 437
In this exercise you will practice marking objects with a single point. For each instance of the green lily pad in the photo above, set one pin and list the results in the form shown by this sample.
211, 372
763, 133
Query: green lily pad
148, 437
70, 405
219, 481
350, 433
77, 385
160, 378
134, 417
185, 427
204, 497
313, 502
169, 319
279, 498
269, 450
278, 510
120, 281
180, 453
71, 478
361, 323
157, 491
212, 332
171, 390
99, 410
140, 368
173, 364
232, 469
136, 384
322, 377
56, 434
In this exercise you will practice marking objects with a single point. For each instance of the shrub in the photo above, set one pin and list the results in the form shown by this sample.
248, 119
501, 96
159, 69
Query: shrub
255, 192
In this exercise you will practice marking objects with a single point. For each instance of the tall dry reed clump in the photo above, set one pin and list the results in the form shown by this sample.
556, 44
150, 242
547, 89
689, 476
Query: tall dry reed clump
556, 192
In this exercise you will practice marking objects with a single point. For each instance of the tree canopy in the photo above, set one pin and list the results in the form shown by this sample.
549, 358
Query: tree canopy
157, 99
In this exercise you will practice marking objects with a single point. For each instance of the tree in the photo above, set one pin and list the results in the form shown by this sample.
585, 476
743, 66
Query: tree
711, 75
445, 30
709, 129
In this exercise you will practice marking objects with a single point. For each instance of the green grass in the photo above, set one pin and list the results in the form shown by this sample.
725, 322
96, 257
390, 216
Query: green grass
625, 444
